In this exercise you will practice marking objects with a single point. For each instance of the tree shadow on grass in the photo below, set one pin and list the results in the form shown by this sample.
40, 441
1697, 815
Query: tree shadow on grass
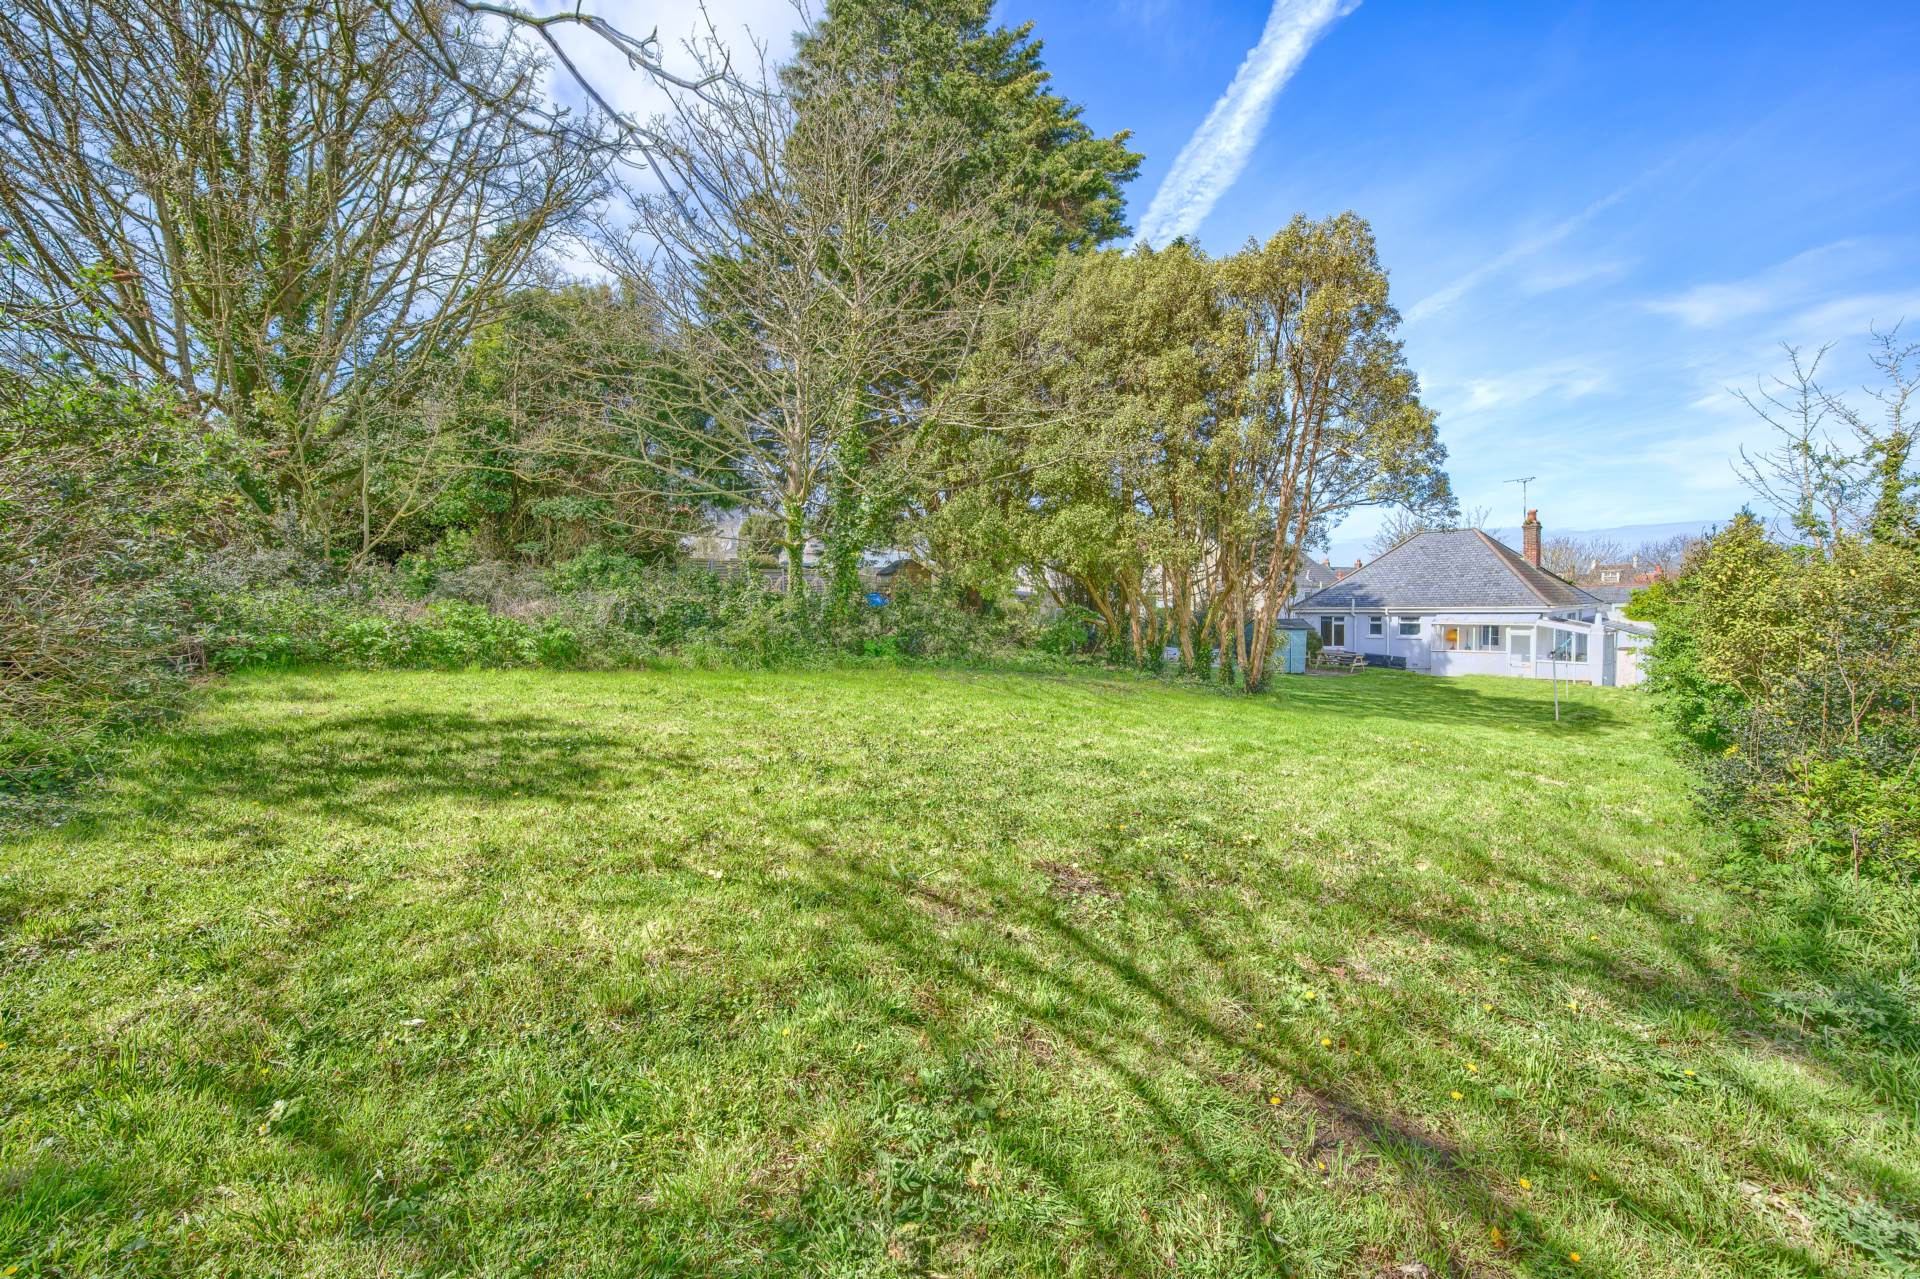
1444, 700
361, 765
1034, 960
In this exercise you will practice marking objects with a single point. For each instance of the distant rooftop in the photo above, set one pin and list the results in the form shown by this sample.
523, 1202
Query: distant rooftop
1461, 568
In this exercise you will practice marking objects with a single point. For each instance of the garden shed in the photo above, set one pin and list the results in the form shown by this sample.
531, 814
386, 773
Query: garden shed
1290, 646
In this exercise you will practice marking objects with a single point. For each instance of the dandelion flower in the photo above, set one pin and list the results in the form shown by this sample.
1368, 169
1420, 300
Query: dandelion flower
1273, 1100
1574, 1257
1498, 1241
1486, 1008
1310, 995
1457, 1095
1259, 1025
786, 1030
1472, 1069
1687, 1073
1525, 1184
1575, 1007
1325, 1042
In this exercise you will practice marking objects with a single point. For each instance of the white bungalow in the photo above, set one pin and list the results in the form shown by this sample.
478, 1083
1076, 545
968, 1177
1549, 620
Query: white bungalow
1461, 603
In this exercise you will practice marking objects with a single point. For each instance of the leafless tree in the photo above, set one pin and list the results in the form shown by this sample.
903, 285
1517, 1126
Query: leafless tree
815, 274
1402, 525
1667, 554
1576, 557
288, 212
1836, 468
1805, 475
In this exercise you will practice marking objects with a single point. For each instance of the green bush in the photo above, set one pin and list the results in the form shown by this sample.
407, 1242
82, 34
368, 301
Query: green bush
1792, 674
1069, 634
230, 609
105, 493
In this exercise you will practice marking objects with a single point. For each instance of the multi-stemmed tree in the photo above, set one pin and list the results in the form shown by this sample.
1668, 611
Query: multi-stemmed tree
1164, 433
291, 214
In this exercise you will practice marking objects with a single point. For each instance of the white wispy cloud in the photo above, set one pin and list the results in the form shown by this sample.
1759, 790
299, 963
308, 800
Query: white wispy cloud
1791, 283
1573, 274
1849, 319
1442, 298
1564, 381
1214, 156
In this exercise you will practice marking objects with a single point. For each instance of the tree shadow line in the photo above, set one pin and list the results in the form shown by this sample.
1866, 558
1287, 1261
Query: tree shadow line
1094, 988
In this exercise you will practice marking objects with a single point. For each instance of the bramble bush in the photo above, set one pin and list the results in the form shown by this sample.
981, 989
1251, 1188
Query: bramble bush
105, 494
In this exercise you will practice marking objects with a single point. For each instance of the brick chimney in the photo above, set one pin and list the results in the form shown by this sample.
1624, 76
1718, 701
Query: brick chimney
1530, 538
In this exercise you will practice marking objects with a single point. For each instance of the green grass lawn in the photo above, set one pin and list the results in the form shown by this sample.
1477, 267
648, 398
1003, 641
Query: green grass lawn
880, 972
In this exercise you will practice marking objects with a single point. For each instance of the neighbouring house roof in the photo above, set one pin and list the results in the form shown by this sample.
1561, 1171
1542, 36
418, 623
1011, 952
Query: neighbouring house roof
1611, 594
1461, 569
1312, 575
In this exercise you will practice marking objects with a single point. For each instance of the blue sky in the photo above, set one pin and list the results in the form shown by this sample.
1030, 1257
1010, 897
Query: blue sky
1597, 218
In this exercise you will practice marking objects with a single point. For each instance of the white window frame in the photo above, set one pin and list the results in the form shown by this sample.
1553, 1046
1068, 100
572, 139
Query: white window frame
1410, 627
1570, 646
1376, 625
1329, 623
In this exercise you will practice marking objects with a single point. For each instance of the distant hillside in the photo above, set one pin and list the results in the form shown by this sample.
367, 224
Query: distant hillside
1631, 536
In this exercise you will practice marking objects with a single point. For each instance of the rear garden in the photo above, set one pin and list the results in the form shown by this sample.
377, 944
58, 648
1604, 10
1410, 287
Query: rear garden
879, 971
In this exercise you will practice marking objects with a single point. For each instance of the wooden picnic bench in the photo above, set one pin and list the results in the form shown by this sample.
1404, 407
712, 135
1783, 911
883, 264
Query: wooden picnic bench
1338, 661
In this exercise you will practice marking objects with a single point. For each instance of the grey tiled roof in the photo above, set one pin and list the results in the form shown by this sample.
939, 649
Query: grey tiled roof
1611, 594
1312, 574
1464, 569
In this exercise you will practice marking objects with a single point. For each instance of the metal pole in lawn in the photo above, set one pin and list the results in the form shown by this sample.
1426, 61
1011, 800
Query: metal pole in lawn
1556, 677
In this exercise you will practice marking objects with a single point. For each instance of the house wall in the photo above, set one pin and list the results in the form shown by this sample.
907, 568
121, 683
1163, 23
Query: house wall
1630, 659
1420, 655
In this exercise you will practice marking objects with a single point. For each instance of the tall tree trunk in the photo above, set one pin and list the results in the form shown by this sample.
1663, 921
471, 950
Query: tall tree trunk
795, 545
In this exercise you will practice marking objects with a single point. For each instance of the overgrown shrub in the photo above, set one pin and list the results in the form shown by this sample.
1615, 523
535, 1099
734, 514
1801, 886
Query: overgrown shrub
105, 493
1793, 674
151, 605
599, 609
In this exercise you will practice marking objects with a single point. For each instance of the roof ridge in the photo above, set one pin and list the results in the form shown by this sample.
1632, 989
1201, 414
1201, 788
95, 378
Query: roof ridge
1505, 554
1517, 564
1454, 574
